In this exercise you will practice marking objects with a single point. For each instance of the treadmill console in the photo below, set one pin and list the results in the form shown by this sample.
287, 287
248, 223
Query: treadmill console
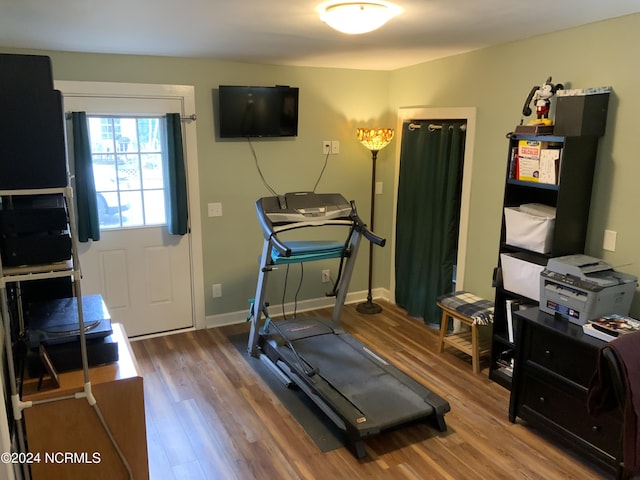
304, 207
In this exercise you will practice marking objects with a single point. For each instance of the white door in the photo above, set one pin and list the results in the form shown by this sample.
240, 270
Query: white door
143, 272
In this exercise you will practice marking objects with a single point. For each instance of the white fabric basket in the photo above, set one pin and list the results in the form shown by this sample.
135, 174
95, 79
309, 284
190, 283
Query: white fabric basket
520, 276
530, 226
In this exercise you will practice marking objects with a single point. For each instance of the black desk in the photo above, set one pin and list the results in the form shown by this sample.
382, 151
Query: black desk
554, 363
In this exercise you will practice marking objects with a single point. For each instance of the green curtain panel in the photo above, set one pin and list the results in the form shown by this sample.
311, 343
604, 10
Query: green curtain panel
428, 216
85, 188
175, 177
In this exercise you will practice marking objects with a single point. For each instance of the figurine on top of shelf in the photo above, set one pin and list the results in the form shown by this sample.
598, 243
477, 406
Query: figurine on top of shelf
541, 95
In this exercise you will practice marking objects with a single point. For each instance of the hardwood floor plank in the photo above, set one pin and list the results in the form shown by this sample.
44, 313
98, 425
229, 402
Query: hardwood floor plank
189, 471
170, 431
210, 415
160, 468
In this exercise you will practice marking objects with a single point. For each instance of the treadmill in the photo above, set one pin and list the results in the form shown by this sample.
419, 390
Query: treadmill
360, 391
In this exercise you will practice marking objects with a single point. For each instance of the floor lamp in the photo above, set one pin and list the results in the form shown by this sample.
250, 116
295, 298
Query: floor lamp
374, 139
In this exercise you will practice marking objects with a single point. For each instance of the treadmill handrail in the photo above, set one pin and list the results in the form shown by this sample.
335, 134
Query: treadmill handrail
271, 231
285, 251
372, 237
361, 227
281, 247
278, 228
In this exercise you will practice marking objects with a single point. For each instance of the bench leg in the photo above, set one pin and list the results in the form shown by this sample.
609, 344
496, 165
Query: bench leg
443, 330
475, 349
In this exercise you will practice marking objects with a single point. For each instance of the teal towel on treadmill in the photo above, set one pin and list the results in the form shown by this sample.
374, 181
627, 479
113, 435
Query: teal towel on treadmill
306, 251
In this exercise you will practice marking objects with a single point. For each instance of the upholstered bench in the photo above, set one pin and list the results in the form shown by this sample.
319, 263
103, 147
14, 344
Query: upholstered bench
471, 311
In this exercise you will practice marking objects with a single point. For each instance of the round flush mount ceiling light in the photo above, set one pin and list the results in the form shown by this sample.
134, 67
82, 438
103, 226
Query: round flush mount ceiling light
357, 17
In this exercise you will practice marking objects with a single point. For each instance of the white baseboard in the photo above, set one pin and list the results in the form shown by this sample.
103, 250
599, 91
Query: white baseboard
233, 318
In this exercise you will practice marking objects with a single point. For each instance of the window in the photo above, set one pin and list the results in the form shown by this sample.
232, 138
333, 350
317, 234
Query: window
109, 127
127, 168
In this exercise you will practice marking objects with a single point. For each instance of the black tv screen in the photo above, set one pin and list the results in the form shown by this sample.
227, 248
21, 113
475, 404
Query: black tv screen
257, 111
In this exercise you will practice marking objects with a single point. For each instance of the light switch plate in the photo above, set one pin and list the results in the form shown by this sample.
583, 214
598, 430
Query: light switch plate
609, 242
214, 209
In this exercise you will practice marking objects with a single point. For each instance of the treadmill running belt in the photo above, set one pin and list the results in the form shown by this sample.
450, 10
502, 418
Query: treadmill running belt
358, 376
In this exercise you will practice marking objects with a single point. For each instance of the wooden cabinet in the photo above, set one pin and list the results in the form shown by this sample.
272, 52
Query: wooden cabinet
570, 196
68, 435
554, 363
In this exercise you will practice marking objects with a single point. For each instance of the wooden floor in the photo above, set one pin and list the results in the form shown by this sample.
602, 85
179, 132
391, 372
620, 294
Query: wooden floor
210, 416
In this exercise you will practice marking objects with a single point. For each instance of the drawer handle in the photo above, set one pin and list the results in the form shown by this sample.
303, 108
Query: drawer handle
595, 429
548, 354
541, 400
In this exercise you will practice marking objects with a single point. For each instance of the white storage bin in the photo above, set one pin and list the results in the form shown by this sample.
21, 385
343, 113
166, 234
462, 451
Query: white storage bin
530, 226
520, 276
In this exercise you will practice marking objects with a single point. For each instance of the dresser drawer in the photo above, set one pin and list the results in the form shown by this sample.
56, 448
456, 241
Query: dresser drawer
568, 410
572, 360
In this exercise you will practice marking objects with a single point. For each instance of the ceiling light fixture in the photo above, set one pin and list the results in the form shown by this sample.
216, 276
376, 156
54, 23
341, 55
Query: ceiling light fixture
357, 17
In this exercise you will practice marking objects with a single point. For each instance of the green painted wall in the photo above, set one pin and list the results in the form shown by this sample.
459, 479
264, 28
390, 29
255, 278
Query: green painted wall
496, 80
333, 102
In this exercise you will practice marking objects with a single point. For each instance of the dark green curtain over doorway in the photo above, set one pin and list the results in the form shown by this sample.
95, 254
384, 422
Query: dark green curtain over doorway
428, 215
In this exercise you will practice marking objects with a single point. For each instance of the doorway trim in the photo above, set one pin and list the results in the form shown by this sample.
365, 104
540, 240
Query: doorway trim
428, 113
186, 94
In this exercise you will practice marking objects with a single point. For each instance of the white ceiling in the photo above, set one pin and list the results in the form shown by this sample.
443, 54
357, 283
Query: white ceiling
288, 32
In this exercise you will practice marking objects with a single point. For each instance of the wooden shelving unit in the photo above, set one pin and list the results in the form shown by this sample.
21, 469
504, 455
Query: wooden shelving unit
55, 400
570, 196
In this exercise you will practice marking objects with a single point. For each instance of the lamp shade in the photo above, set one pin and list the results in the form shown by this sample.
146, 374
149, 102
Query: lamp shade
357, 17
375, 139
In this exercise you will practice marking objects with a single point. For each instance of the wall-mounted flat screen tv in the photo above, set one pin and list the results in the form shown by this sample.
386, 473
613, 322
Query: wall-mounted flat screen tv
257, 111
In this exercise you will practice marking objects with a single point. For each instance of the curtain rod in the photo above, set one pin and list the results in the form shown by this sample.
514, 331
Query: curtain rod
188, 118
434, 126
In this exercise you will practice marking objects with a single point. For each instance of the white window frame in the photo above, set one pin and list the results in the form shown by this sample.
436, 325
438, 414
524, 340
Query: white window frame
116, 152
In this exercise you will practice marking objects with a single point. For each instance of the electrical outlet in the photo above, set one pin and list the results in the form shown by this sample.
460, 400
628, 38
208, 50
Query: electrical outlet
335, 147
326, 147
216, 290
326, 276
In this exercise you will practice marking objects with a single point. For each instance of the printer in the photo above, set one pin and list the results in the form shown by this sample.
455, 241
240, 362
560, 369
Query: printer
583, 288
